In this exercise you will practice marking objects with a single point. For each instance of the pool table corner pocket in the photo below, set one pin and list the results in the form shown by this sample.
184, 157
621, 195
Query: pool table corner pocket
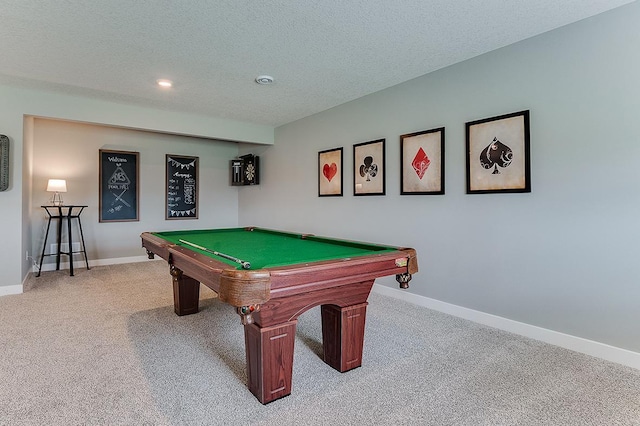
243, 288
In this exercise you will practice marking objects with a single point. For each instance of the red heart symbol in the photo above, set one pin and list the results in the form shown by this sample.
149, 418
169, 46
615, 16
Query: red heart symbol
329, 171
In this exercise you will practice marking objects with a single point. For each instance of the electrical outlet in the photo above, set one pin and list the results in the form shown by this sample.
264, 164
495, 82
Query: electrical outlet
26, 255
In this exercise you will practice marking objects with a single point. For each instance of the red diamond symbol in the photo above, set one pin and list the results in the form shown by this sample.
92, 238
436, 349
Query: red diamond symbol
421, 163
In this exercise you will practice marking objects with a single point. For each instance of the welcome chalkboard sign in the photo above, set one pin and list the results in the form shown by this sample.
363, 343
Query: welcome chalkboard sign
182, 187
118, 186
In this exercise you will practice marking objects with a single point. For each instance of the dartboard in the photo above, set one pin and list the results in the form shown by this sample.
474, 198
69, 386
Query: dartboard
250, 172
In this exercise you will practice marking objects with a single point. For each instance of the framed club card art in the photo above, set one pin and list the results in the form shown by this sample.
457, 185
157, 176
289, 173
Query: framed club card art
369, 168
422, 156
498, 154
330, 173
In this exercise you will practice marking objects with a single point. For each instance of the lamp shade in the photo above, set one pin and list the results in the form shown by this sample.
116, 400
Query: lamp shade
57, 185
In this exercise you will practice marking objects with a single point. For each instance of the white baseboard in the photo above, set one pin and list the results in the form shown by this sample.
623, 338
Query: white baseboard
79, 264
10, 289
567, 341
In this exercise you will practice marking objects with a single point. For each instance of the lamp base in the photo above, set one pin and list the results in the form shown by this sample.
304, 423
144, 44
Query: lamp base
56, 200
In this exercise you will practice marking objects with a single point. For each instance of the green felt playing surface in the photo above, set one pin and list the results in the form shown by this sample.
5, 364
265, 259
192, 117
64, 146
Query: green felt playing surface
266, 248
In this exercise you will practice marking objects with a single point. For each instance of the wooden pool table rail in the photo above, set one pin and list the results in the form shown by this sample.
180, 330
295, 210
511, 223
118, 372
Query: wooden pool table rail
242, 288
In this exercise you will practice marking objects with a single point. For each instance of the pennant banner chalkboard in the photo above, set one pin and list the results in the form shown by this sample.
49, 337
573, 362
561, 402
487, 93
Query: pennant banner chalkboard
182, 187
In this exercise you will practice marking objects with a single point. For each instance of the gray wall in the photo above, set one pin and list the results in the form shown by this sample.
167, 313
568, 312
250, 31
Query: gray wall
562, 257
69, 150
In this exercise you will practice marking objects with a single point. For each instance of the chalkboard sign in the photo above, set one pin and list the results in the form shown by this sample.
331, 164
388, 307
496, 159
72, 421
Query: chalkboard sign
182, 187
118, 186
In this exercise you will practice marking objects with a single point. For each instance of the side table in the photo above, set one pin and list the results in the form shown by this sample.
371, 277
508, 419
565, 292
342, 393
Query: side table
60, 213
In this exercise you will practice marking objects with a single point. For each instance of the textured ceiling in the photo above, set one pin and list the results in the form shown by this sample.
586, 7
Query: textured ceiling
322, 53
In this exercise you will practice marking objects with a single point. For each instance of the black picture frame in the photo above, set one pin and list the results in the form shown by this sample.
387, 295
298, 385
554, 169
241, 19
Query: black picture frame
181, 188
330, 173
4, 163
118, 186
498, 154
369, 168
422, 162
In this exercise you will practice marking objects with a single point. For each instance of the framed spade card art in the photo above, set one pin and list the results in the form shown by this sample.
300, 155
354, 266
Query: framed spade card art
369, 168
498, 154
330, 173
422, 156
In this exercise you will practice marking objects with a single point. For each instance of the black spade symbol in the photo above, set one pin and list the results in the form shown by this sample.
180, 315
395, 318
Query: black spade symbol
368, 169
496, 154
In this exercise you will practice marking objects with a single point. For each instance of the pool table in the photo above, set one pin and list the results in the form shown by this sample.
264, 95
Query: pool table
271, 278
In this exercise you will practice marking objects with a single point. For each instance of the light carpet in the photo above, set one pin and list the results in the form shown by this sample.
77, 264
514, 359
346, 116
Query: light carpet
105, 348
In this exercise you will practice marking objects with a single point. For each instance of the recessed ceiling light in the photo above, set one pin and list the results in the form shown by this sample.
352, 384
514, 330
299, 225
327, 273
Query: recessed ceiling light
164, 83
264, 79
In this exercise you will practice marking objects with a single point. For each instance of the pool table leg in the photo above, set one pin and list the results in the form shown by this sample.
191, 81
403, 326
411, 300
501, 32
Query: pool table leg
269, 353
186, 293
343, 335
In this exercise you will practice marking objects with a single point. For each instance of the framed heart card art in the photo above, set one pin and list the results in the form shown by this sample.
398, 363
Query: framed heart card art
330, 173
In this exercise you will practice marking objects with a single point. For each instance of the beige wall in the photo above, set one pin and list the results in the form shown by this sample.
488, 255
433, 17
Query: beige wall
68, 150
18, 106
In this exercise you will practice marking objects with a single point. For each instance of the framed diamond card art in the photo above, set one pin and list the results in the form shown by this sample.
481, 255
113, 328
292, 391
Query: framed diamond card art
498, 154
369, 168
422, 156
330, 173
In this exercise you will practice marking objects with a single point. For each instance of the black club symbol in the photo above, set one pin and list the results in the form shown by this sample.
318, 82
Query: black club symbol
368, 169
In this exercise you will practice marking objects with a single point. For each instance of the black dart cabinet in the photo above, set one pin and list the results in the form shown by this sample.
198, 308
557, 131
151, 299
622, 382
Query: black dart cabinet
245, 170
